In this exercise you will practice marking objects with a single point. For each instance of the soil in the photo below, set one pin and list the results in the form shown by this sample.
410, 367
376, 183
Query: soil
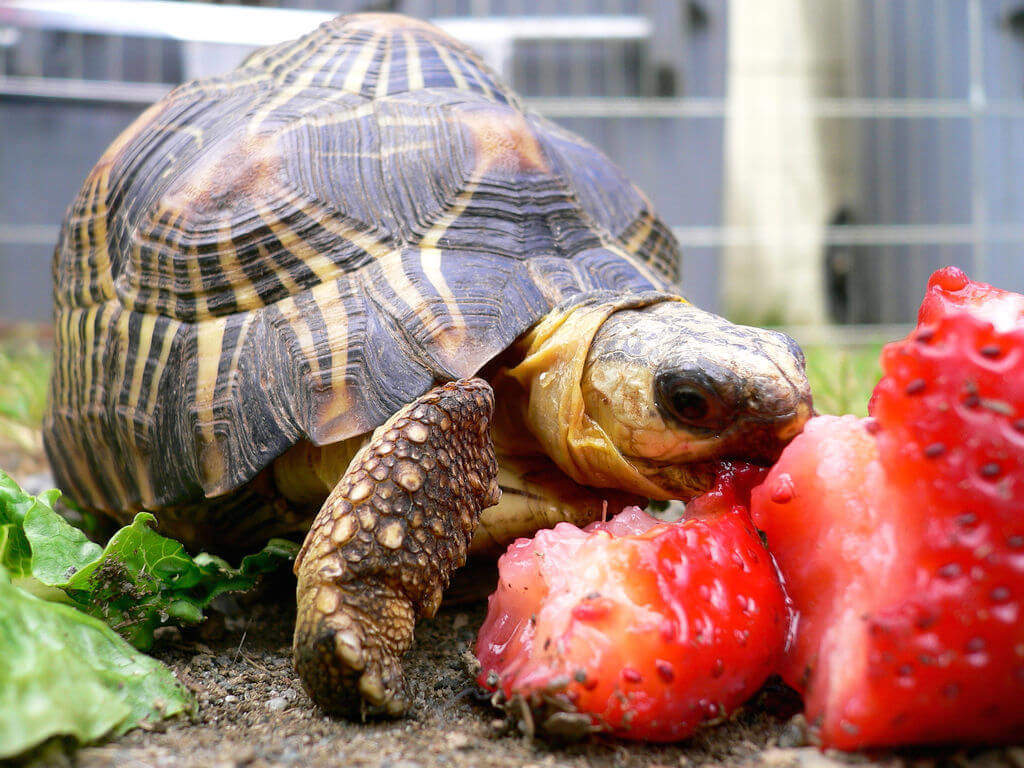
253, 712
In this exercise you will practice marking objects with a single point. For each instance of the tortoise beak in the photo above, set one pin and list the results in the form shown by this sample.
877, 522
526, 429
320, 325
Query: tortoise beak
790, 425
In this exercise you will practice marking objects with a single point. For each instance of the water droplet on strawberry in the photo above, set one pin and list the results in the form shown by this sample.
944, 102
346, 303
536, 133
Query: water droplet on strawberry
783, 490
950, 278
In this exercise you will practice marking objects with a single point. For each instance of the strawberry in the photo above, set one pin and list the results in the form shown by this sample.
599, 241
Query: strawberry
901, 538
643, 629
950, 291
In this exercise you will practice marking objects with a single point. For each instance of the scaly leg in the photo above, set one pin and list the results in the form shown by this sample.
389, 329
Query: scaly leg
385, 543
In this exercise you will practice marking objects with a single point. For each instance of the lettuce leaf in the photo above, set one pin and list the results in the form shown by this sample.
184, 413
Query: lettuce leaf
64, 670
64, 673
140, 581
15, 504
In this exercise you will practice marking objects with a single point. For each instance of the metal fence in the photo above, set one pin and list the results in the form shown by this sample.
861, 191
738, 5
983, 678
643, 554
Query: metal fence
929, 95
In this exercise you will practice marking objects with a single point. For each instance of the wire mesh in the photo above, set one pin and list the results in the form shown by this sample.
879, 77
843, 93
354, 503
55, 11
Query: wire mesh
927, 95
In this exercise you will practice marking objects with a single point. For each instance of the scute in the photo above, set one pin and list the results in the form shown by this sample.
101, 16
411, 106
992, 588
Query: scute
297, 249
391, 167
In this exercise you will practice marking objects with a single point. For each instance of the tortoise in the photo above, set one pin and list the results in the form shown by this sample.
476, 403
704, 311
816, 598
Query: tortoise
354, 290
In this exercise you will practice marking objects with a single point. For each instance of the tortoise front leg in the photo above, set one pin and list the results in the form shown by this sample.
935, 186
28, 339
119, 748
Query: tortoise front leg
385, 543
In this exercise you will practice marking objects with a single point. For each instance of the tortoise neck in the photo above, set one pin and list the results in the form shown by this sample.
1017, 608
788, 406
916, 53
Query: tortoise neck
541, 404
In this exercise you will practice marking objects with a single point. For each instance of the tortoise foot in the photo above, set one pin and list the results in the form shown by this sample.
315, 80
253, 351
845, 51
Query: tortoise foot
383, 547
348, 649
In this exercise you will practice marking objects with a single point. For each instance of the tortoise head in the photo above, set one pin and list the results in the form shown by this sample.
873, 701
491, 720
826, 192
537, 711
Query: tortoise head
677, 389
647, 394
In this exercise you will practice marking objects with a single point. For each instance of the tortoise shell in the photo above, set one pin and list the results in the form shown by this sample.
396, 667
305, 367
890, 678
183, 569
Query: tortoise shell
297, 249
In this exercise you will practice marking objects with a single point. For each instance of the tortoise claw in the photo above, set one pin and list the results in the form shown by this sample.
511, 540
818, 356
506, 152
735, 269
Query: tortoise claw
348, 668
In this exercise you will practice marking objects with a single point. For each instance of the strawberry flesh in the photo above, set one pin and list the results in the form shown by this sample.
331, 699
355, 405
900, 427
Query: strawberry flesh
649, 629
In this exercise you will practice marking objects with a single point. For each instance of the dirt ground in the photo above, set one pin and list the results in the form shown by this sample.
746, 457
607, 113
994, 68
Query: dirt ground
253, 712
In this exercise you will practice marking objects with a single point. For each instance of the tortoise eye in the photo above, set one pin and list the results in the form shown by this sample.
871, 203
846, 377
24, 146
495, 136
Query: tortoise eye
689, 395
689, 404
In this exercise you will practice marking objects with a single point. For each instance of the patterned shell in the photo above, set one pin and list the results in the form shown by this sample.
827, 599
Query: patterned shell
297, 249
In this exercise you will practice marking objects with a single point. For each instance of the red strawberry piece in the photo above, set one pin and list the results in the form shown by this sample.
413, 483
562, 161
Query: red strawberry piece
950, 291
647, 629
954, 448
827, 511
901, 538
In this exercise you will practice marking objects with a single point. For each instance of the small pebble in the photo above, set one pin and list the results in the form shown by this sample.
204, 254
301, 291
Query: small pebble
277, 703
230, 699
457, 740
794, 733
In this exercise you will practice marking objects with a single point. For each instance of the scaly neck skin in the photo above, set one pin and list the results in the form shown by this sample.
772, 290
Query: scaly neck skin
543, 405
535, 492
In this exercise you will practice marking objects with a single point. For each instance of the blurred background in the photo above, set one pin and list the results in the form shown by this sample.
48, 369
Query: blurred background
817, 159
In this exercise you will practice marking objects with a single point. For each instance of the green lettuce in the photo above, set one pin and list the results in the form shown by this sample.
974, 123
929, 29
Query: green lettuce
63, 673
138, 582
71, 612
